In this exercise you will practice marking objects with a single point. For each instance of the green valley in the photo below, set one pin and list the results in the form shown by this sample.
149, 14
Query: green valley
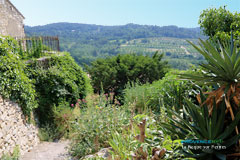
87, 42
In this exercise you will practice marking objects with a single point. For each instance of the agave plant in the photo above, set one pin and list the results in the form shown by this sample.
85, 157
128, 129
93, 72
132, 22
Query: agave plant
223, 70
199, 125
223, 63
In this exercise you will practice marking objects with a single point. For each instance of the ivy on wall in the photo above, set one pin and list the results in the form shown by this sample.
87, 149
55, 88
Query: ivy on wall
14, 83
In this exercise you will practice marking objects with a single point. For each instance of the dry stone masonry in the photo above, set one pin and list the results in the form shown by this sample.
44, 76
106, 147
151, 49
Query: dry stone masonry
14, 131
11, 20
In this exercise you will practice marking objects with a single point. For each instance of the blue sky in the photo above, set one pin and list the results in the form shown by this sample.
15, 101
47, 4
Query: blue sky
183, 13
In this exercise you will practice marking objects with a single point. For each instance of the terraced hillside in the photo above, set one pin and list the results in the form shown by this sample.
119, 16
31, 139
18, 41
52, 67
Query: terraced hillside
178, 52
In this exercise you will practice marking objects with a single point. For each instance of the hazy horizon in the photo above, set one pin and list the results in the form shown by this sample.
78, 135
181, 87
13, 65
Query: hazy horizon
110, 25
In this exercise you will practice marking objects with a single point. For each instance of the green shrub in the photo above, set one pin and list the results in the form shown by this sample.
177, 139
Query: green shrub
219, 23
34, 48
63, 118
138, 94
112, 74
168, 91
58, 80
14, 83
125, 144
48, 133
94, 126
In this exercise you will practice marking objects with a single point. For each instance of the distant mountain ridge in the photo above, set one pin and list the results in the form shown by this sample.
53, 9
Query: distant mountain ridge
122, 31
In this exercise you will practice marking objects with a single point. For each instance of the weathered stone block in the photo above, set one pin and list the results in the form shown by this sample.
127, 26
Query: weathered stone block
11, 20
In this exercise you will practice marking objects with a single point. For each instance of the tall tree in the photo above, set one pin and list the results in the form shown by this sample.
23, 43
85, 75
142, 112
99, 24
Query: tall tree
218, 23
112, 74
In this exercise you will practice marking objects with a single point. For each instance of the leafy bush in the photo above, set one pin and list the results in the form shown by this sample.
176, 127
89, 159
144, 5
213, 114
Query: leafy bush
14, 83
138, 94
112, 74
34, 48
63, 118
100, 127
153, 145
218, 23
58, 81
168, 91
48, 133
93, 128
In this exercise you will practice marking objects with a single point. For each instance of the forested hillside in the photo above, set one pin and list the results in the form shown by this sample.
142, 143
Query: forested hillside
86, 42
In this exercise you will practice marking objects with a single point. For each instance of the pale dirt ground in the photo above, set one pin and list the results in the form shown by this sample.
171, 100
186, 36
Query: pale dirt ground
48, 151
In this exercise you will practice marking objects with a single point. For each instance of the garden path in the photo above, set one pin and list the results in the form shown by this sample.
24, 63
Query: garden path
48, 151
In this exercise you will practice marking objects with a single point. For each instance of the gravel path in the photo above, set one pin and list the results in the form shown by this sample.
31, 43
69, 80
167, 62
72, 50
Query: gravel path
48, 151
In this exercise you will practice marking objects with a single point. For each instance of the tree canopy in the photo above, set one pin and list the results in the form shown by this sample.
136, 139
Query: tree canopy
112, 74
218, 23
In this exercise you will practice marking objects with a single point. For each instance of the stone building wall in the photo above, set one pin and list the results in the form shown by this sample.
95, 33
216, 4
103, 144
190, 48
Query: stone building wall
14, 131
11, 20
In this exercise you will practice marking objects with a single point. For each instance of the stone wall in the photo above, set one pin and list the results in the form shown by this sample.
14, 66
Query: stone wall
11, 20
14, 131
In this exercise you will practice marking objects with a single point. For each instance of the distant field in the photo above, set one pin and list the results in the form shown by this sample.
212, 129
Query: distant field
178, 52
163, 45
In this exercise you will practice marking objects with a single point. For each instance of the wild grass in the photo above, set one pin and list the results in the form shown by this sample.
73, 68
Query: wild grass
94, 125
168, 91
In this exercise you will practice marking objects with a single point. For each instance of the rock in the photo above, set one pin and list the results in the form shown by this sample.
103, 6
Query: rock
103, 153
89, 156
13, 129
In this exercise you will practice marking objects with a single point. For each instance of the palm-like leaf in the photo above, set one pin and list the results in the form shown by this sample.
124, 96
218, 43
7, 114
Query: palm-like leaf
223, 63
203, 127
222, 67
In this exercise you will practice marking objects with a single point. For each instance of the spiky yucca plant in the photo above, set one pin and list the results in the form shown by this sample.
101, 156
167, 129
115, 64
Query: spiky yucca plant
222, 69
200, 126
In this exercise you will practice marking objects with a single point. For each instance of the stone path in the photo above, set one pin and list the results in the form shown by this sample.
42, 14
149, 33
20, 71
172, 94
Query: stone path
48, 151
